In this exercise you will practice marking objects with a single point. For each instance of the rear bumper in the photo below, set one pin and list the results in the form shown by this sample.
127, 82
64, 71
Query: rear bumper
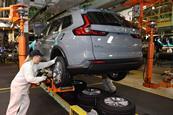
108, 66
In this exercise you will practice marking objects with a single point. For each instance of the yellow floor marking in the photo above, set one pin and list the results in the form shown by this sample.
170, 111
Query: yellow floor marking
4, 89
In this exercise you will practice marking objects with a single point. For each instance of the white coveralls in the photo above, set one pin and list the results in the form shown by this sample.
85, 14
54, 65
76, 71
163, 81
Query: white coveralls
19, 98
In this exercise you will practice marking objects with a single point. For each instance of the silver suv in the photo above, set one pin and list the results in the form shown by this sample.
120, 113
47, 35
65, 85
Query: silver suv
91, 41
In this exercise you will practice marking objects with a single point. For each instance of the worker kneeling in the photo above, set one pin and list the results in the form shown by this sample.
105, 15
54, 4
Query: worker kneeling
19, 97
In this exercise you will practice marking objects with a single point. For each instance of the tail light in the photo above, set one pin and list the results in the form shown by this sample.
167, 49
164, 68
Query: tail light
85, 29
137, 36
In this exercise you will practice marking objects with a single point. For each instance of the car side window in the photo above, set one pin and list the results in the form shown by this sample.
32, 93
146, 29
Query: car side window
67, 21
102, 18
55, 26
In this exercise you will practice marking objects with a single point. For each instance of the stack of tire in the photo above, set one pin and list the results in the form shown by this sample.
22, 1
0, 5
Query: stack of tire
104, 103
87, 99
94, 98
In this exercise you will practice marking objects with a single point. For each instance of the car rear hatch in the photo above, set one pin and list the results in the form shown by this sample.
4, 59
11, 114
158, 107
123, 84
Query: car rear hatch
114, 38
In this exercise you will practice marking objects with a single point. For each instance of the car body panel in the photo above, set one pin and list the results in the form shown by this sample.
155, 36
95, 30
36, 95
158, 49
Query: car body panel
117, 44
81, 51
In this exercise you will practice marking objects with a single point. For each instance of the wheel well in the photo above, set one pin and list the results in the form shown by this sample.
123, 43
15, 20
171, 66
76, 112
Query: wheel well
55, 52
58, 52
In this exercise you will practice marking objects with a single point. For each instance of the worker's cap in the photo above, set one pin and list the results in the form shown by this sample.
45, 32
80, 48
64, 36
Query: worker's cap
35, 53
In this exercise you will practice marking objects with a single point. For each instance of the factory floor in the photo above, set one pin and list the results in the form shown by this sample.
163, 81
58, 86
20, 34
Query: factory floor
148, 101
135, 79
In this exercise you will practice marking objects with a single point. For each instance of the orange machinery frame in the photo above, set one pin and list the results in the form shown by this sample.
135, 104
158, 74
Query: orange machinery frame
15, 18
149, 30
54, 89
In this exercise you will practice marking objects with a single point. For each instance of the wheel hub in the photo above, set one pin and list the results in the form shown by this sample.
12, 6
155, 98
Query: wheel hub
91, 91
116, 101
57, 73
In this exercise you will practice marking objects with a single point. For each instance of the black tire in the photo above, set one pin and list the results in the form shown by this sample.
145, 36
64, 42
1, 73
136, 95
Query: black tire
120, 106
116, 76
86, 107
89, 96
62, 77
79, 85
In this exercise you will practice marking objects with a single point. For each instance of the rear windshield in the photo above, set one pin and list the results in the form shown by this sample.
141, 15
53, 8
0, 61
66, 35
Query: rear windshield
105, 18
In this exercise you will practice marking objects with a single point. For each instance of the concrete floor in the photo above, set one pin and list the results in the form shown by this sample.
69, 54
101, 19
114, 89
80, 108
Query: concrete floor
148, 101
41, 103
135, 79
